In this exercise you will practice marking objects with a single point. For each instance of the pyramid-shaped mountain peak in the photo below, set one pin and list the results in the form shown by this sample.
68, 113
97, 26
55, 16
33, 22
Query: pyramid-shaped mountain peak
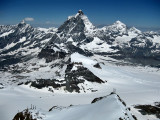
22, 23
78, 23
80, 12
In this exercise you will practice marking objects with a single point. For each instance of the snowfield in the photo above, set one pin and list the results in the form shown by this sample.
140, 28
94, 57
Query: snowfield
135, 85
97, 45
66, 68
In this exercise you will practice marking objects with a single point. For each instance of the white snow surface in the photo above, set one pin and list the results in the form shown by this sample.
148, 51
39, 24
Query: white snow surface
156, 39
97, 45
134, 84
117, 26
109, 108
22, 39
48, 30
10, 45
134, 30
6, 33
76, 57
88, 25
43, 29
125, 38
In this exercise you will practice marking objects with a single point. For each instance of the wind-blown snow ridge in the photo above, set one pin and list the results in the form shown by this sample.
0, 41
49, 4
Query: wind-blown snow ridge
110, 107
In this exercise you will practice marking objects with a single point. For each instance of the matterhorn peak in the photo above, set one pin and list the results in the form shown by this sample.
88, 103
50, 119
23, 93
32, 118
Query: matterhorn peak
22, 22
75, 22
80, 12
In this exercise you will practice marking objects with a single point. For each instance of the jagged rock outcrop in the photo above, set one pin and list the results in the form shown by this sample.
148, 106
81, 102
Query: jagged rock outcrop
21, 42
77, 34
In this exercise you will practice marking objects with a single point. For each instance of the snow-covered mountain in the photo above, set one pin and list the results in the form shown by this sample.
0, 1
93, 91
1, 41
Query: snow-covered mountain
21, 45
57, 50
21, 42
110, 107
78, 34
117, 27
76, 58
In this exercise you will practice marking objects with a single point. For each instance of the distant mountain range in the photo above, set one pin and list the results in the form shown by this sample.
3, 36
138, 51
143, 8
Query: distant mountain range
76, 38
38, 64
21, 42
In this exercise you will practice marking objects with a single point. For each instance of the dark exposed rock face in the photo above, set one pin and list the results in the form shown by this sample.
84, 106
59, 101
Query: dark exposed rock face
80, 12
74, 77
9, 60
73, 26
1, 86
148, 110
50, 54
97, 99
25, 115
73, 49
41, 83
69, 24
71, 80
97, 66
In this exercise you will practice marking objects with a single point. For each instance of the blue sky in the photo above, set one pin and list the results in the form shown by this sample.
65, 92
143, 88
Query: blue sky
45, 13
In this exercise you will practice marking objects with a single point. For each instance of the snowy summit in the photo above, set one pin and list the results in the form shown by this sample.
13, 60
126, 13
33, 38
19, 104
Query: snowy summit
91, 68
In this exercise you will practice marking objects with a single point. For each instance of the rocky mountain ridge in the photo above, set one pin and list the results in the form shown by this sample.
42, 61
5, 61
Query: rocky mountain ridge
78, 34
